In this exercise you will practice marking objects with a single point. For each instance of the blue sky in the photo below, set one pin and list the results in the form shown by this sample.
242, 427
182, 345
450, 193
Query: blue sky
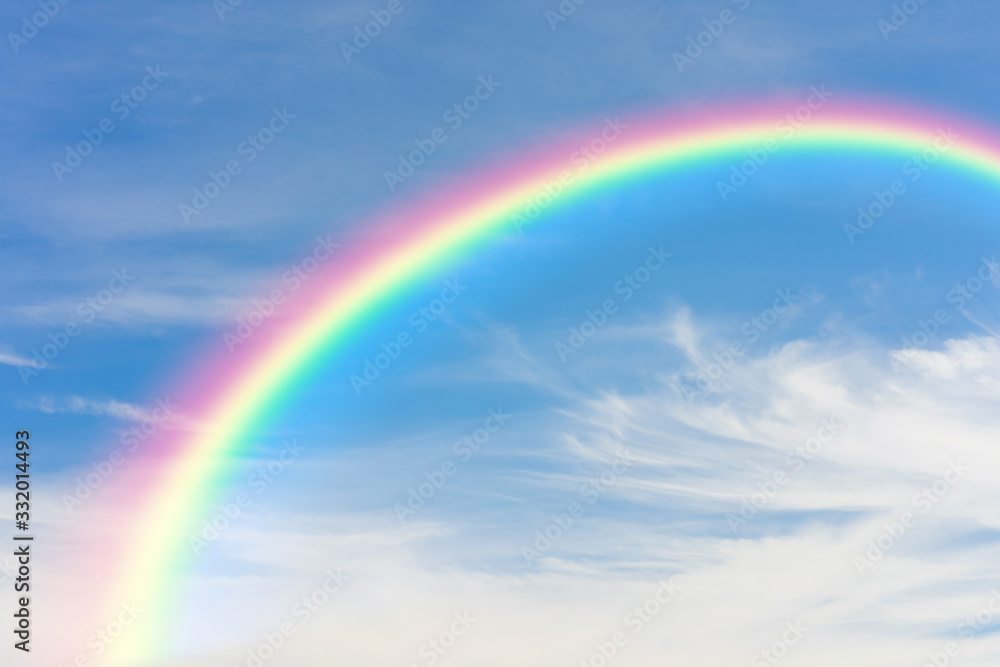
682, 453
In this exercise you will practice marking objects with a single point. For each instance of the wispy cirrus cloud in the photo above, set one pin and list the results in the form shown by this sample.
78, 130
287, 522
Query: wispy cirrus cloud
78, 405
9, 357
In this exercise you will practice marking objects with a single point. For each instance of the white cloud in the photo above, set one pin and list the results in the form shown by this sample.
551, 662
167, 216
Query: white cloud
79, 405
10, 358
696, 461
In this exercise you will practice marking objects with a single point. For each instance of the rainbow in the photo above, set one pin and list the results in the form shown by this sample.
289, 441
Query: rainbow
237, 390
